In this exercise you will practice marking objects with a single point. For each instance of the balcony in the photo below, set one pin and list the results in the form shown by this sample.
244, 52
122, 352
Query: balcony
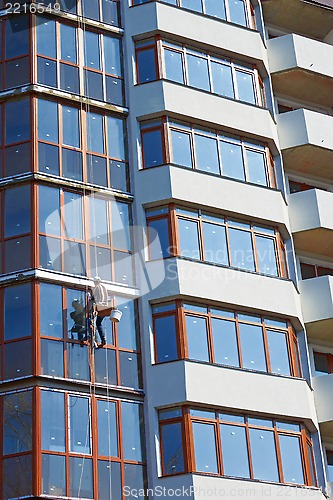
323, 387
299, 68
299, 17
317, 305
179, 101
170, 183
191, 27
306, 140
311, 221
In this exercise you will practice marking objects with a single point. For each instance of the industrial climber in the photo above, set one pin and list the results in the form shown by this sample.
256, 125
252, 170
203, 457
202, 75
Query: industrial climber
99, 297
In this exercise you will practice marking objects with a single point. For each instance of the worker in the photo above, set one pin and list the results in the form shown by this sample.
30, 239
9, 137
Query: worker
99, 297
79, 318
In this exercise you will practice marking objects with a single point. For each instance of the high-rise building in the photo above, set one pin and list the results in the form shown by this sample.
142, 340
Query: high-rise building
181, 151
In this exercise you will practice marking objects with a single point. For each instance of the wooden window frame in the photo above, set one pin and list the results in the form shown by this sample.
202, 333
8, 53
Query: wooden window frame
158, 45
167, 126
328, 357
180, 315
94, 454
188, 440
317, 269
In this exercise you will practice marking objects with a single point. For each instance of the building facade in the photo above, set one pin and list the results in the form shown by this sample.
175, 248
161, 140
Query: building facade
180, 150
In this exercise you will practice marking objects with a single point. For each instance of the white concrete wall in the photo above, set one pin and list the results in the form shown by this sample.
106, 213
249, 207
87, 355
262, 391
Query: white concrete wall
323, 387
311, 209
317, 298
178, 101
195, 29
167, 183
294, 51
301, 127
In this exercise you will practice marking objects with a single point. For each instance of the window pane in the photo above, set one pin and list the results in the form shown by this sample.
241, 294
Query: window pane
263, 453
79, 424
54, 475
69, 78
48, 121
17, 121
17, 211
91, 9
95, 132
222, 80
234, 451
245, 87
215, 245
105, 366
197, 68
146, 65
123, 265
241, 249
196, 330
49, 210
192, 5
172, 448
129, 369
278, 352
112, 51
17, 254
232, 161
72, 164
119, 175
174, 66
237, 12
135, 477
252, 345
225, 342
97, 170
152, 148
215, 8
91, 50
206, 154
51, 310
73, 223
329, 456
94, 85
77, 361
107, 429
165, 338
266, 256
68, 43
321, 364
53, 421
98, 220
48, 159
204, 447
116, 132
52, 358
132, 421
17, 159
189, 239
17, 36
17, 311
17, 477
18, 362
256, 167
50, 253
100, 263
71, 127
111, 12
109, 480
17, 72
17, 422
181, 148
159, 245
47, 72
291, 459
81, 479
114, 90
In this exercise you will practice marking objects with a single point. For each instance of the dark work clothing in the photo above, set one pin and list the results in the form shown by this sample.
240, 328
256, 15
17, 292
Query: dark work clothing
99, 328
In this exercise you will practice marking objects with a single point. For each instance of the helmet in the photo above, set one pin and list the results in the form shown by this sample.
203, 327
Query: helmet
97, 279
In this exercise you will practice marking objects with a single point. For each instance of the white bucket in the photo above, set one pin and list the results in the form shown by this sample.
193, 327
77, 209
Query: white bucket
115, 315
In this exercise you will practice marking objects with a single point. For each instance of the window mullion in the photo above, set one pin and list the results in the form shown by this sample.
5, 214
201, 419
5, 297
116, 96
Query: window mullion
278, 453
266, 347
248, 444
254, 249
173, 231
188, 441
182, 344
159, 58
